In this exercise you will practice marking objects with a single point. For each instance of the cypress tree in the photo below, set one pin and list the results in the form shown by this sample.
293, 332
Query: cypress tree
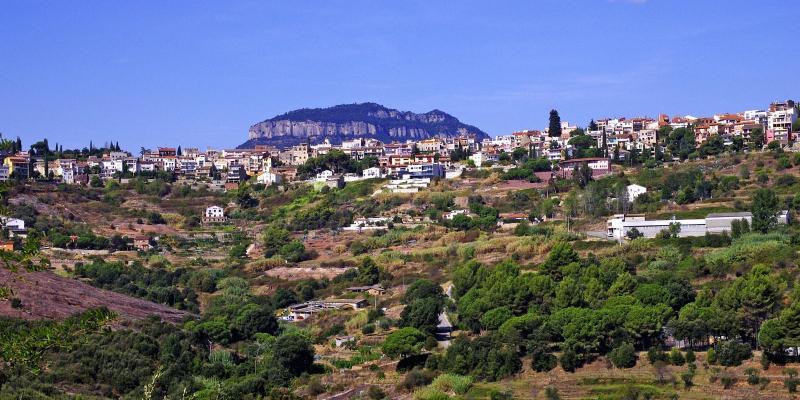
555, 124
19, 144
605, 145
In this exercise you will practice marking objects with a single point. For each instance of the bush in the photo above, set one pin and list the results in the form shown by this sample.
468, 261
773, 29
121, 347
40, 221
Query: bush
551, 393
569, 361
542, 361
368, 329
676, 357
654, 354
690, 357
415, 378
728, 380
791, 381
753, 377
375, 392
711, 356
623, 356
16, 303
458, 384
732, 353
688, 379
430, 393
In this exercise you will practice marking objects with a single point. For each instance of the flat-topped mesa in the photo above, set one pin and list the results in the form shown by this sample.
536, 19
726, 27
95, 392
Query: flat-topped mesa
353, 121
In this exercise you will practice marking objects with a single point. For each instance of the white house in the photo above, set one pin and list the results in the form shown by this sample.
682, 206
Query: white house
372, 223
13, 223
372, 173
324, 175
454, 213
635, 191
269, 178
214, 214
407, 184
481, 158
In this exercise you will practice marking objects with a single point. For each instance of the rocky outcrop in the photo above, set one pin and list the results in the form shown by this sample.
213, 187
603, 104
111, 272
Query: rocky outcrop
351, 121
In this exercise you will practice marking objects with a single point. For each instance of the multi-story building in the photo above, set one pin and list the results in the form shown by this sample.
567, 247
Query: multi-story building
18, 166
780, 118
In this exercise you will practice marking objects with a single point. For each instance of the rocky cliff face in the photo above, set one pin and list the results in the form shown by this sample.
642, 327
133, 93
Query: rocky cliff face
350, 121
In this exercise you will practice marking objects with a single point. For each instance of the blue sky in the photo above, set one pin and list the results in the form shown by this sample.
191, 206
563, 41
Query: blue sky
196, 73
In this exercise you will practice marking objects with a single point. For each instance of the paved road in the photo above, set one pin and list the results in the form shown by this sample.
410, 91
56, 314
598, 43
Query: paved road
444, 327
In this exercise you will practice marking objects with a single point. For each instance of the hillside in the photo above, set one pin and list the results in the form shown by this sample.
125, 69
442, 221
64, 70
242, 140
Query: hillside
351, 121
539, 309
45, 295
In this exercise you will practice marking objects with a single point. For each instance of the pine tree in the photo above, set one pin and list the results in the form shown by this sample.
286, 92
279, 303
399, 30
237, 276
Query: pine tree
555, 124
592, 125
19, 144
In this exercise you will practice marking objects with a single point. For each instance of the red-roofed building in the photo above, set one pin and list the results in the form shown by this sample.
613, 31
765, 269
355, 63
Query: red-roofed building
600, 166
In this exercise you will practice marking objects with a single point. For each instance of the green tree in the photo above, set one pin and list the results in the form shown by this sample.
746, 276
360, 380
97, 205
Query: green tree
294, 352
560, 255
623, 356
681, 142
274, 238
758, 138
403, 342
765, 210
555, 124
422, 314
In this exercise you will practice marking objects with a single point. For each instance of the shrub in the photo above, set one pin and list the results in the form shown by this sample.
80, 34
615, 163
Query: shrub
688, 379
732, 353
654, 354
430, 393
676, 357
791, 382
542, 361
551, 393
375, 392
765, 362
711, 356
458, 384
415, 378
16, 303
315, 387
690, 357
728, 380
368, 329
753, 377
569, 361
623, 356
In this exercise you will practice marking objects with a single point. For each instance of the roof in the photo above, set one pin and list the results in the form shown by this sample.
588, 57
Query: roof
513, 215
664, 222
743, 214
586, 159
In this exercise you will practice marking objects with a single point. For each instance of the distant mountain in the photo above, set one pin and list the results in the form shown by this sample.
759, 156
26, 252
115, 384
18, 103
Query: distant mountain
351, 121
